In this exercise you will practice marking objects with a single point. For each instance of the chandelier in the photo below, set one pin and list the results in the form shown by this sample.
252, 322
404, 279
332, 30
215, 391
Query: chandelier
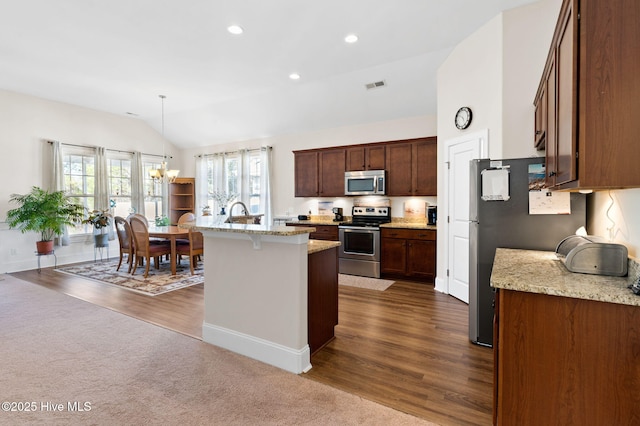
163, 174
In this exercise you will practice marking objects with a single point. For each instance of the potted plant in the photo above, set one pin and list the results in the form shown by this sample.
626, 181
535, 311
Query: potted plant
46, 212
100, 220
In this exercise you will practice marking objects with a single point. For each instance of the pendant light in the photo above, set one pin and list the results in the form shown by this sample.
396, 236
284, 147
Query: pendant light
163, 174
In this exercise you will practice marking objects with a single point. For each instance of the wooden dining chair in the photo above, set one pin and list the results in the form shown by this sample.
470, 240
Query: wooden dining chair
143, 248
125, 239
194, 249
187, 217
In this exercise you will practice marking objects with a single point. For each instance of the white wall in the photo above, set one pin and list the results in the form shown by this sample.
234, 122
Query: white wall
26, 123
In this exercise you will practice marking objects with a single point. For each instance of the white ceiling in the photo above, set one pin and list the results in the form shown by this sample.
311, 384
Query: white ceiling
119, 55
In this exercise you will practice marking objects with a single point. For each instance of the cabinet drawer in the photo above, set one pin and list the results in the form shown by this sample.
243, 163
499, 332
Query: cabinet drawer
408, 234
322, 232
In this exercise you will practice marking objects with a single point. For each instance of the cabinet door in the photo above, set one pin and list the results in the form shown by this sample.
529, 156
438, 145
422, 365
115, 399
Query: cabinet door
551, 138
425, 168
355, 159
332, 165
306, 174
394, 256
399, 169
366, 158
541, 118
421, 256
375, 157
566, 90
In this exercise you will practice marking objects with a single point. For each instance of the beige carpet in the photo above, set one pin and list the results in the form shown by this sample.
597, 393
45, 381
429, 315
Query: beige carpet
60, 350
159, 281
364, 282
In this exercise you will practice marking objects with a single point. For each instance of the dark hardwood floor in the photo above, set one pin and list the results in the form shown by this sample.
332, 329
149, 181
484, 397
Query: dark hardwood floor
406, 347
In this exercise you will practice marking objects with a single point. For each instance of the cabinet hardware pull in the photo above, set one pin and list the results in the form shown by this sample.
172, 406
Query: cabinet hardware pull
552, 174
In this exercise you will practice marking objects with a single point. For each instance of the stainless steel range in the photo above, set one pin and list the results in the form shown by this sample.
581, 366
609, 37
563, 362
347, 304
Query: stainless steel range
360, 249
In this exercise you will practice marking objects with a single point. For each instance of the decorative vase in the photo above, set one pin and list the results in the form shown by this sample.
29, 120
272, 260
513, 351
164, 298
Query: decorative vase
222, 211
101, 240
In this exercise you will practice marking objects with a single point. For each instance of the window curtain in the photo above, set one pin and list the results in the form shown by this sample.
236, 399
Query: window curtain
56, 183
244, 190
202, 186
102, 186
137, 184
265, 184
217, 176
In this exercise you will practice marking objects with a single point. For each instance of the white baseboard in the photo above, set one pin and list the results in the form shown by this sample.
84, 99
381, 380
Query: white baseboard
293, 360
441, 286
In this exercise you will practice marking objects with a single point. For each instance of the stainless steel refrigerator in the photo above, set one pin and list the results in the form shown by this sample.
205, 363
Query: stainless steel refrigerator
500, 216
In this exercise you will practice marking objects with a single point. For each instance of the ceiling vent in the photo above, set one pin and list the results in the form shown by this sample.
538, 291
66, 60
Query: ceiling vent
375, 85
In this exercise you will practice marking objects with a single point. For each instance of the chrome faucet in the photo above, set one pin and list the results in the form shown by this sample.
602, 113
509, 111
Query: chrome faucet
245, 211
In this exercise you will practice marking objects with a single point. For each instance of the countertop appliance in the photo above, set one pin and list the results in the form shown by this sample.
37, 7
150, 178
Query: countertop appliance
593, 255
366, 182
359, 252
432, 215
499, 217
337, 212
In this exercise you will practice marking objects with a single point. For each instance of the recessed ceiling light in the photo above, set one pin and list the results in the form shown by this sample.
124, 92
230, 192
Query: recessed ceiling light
351, 38
294, 76
235, 29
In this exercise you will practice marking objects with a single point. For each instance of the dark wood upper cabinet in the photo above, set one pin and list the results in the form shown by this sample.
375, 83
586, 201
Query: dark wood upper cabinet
319, 173
366, 158
425, 167
411, 167
331, 173
399, 160
591, 86
306, 174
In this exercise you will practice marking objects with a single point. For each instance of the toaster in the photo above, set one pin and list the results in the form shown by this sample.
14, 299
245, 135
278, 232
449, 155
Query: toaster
592, 255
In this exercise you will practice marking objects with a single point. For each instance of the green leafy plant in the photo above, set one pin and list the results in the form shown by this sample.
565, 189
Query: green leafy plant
45, 212
100, 219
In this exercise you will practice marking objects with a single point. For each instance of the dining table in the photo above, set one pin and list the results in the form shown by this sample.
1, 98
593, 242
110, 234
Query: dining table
171, 233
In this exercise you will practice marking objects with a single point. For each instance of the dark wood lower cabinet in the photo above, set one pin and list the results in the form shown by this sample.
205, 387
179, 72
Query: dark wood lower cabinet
322, 297
322, 232
565, 361
408, 253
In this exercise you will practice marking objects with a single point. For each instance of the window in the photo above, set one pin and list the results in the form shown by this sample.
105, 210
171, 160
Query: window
79, 179
237, 173
153, 191
254, 182
119, 168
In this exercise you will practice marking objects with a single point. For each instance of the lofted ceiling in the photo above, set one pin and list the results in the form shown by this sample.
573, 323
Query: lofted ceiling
119, 55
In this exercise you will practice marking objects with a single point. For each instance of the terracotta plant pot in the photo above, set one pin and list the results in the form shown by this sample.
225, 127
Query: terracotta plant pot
44, 247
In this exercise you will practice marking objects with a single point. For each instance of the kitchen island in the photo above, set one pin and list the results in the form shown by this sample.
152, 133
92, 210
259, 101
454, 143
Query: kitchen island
566, 345
257, 294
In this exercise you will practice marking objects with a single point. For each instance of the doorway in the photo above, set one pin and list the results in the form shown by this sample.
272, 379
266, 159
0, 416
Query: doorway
460, 151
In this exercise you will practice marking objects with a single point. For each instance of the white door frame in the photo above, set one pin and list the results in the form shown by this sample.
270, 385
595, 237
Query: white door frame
482, 136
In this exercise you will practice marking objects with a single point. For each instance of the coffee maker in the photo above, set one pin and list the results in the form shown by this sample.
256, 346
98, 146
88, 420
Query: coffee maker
432, 215
337, 211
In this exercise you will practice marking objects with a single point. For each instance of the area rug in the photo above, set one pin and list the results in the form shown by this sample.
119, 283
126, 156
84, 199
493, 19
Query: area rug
364, 282
159, 281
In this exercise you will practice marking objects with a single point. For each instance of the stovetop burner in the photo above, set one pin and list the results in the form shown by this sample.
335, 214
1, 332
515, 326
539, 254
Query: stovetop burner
370, 217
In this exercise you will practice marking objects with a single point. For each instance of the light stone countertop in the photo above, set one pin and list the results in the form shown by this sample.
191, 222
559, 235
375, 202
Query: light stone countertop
207, 224
316, 246
541, 272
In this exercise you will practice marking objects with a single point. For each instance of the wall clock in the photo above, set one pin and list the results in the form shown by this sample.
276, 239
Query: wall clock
463, 118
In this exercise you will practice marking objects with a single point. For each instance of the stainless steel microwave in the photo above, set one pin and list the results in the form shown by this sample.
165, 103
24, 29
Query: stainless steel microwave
367, 182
